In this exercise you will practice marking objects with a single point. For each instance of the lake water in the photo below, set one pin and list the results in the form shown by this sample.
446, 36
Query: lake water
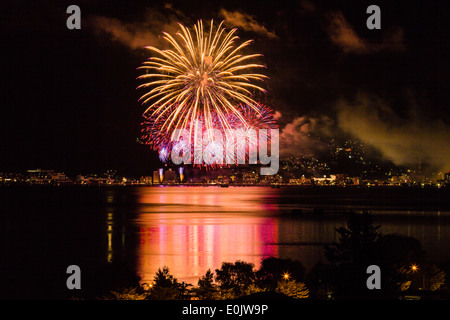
191, 229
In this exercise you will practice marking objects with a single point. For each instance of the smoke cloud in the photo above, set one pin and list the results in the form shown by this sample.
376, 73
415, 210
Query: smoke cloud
246, 22
137, 35
403, 141
303, 136
343, 35
148, 31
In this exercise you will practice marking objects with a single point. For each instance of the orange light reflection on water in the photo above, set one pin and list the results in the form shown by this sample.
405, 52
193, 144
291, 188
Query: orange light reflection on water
192, 229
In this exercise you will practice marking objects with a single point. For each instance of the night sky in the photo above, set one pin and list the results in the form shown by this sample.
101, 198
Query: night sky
69, 98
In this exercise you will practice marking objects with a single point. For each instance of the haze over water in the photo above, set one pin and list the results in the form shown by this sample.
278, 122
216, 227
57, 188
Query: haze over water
192, 229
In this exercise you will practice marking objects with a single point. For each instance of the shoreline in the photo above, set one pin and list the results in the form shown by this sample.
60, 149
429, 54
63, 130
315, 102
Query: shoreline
447, 187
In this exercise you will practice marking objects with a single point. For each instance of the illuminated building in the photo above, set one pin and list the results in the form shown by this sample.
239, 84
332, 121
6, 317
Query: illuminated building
39, 176
146, 180
170, 176
156, 177
325, 180
295, 181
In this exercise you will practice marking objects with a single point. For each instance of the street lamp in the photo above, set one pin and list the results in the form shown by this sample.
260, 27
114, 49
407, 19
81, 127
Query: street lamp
286, 276
415, 268
147, 287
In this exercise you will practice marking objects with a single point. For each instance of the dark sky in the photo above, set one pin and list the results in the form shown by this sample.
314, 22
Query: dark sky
69, 99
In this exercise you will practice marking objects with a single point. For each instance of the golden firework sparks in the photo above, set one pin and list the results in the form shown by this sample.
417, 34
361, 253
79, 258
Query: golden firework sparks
203, 73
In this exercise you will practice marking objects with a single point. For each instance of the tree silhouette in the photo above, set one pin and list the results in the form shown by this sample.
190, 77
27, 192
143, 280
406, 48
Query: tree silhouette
434, 278
163, 278
357, 241
166, 286
235, 276
292, 288
206, 288
207, 281
350, 257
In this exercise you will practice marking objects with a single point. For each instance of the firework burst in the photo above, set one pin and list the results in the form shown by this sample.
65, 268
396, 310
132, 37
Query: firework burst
235, 145
202, 76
